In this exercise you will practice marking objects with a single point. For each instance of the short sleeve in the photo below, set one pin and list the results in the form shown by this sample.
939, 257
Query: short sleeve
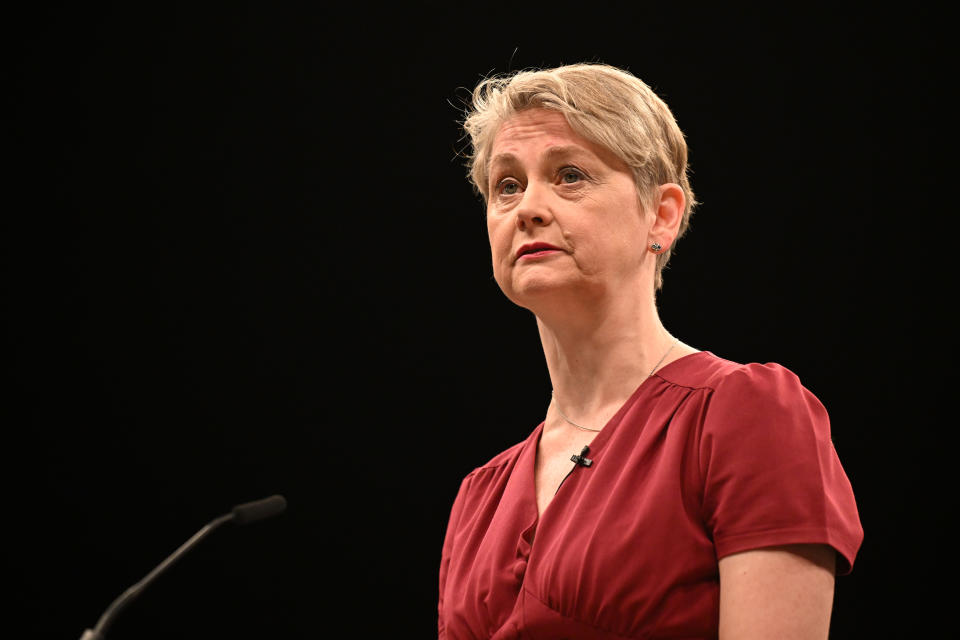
770, 472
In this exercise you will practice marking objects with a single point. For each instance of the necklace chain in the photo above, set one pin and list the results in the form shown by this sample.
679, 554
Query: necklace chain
564, 416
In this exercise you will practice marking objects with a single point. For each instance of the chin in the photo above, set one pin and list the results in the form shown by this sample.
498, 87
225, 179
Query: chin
533, 290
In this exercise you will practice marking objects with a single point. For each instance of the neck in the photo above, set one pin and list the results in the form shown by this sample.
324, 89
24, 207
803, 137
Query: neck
599, 356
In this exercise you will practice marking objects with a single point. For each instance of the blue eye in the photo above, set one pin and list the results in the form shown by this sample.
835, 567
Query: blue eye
570, 176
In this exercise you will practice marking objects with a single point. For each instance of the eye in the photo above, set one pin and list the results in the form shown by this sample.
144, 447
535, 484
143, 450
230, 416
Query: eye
570, 175
508, 187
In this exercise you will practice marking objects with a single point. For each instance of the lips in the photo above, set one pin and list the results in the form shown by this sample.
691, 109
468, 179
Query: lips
536, 248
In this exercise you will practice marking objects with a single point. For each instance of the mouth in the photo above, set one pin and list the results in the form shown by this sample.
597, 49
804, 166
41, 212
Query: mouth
536, 250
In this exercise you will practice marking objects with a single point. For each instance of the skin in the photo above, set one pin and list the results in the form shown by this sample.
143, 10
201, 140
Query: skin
601, 334
778, 592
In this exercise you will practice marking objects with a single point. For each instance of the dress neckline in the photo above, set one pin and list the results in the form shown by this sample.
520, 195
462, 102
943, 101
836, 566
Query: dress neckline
529, 462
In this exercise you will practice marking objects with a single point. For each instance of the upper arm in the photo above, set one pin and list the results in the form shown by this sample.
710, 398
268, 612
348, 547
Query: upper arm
783, 592
452, 524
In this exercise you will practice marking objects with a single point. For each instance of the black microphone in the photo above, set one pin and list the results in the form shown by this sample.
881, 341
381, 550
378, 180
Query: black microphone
581, 459
259, 509
241, 514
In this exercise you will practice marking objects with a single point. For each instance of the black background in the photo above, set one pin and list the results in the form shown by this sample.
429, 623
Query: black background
242, 259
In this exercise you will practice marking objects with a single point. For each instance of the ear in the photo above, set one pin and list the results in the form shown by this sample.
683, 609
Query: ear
668, 214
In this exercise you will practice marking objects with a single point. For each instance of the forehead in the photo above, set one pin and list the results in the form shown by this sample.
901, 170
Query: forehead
534, 125
542, 130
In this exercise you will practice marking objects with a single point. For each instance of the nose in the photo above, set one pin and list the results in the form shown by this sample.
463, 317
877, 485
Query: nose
533, 210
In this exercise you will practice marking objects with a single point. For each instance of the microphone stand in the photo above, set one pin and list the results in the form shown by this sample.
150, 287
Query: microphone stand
125, 598
242, 514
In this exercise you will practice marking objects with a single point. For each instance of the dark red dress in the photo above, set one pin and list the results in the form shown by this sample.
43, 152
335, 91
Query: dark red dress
707, 458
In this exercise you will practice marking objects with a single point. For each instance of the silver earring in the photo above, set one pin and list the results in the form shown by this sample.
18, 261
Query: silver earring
656, 246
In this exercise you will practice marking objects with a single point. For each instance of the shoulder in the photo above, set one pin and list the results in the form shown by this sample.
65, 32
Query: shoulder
704, 370
482, 489
500, 465
746, 399
504, 457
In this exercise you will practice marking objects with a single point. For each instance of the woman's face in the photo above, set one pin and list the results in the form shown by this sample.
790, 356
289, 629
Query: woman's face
563, 213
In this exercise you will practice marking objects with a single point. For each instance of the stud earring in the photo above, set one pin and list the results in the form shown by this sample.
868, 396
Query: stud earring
655, 247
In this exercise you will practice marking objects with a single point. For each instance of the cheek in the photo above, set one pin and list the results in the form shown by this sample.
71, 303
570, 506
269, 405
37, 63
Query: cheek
499, 239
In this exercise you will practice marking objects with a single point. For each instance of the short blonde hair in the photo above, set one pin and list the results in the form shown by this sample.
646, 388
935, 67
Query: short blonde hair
606, 105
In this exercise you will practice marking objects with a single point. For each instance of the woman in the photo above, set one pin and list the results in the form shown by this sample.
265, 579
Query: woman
668, 492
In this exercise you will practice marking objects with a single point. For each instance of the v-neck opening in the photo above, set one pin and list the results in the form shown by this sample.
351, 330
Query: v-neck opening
595, 445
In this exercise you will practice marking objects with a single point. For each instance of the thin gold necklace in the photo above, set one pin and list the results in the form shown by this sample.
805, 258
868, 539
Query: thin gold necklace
564, 416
